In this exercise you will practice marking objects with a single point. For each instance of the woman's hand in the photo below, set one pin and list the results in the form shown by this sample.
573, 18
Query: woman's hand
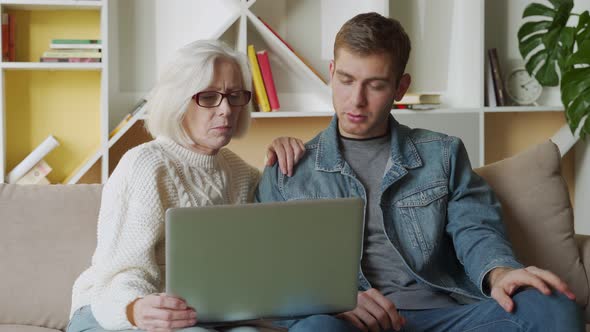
287, 151
160, 313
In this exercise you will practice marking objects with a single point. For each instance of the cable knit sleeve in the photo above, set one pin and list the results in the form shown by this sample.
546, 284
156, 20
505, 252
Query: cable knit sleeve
130, 225
255, 176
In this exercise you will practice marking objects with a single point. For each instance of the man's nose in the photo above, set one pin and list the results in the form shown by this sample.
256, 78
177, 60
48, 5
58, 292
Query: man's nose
359, 96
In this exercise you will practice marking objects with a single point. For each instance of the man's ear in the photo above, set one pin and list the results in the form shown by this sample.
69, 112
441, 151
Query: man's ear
403, 86
332, 68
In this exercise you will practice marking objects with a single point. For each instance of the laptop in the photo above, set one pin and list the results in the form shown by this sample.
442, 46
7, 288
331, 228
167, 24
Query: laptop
281, 260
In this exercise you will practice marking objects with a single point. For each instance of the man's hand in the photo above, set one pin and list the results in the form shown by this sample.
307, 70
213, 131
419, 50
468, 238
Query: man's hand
287, 151
160, 313
505, 281
374, 312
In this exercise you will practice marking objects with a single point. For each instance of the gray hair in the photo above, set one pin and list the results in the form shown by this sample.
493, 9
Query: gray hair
191, 70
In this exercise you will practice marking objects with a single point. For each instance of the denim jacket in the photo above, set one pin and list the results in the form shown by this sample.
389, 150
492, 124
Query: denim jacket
442, 218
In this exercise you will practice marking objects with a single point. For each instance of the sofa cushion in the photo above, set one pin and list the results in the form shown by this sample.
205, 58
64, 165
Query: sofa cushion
47, 239
538, 214
25, 328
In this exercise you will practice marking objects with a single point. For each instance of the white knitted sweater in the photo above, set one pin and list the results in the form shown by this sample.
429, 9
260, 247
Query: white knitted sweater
129, 258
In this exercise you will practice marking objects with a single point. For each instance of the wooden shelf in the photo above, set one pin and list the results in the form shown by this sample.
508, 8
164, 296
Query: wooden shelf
51, 65
523, 109
51, 4
261, 115
445, 110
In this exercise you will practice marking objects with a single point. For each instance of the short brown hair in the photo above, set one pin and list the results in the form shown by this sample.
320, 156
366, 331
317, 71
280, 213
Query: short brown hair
372, 33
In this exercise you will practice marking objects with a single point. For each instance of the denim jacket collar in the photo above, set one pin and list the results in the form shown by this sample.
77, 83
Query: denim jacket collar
403, 151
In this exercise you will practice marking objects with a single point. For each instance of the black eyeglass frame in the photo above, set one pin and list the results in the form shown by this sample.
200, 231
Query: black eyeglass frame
223, 95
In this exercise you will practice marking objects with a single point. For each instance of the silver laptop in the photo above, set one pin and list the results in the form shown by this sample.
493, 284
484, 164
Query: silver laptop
235, 263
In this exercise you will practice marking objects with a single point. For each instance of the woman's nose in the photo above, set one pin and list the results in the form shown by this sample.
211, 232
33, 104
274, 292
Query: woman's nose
224, 108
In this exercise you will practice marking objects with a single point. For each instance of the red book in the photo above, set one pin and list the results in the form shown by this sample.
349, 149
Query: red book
11, 38
268, 80
4, 37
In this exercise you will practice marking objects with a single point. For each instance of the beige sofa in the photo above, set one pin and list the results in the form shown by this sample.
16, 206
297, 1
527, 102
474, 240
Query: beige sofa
48, 234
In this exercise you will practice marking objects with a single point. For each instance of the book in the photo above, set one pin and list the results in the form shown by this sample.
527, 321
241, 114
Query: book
497, 77
11, 38
268, 80
490, 93
32, 159
77, 41
4, 37
37, 174
417, 107
291, 49
259, 90
43, 180
71, 54
50, 59
419, 98
92, 44
127, 117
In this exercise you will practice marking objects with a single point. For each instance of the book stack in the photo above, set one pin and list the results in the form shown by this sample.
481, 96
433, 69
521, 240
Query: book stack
8, 37
265, 92
418, 101
73, 50
34, 169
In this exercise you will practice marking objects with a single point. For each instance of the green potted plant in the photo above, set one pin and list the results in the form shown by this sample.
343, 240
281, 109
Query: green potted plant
554, 52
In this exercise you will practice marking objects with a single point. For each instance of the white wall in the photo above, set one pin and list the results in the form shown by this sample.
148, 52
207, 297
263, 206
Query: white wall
143, 34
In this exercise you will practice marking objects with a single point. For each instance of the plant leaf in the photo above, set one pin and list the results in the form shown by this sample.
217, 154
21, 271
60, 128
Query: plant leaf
532, 26
574, 83
575, 89
583, 28
582, 55
576, 111
586, 130
556, 3
536, 9
556, 39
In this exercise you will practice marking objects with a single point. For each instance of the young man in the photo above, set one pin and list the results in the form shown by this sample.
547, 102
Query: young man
434, 247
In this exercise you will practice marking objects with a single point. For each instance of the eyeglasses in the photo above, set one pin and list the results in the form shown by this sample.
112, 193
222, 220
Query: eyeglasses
209, 99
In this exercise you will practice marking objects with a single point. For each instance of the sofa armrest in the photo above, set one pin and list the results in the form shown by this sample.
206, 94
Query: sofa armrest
583, 242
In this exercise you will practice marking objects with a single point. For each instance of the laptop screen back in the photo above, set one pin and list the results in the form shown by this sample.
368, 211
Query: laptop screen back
268, 260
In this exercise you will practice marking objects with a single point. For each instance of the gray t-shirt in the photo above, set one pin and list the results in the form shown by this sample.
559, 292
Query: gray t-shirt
381, 263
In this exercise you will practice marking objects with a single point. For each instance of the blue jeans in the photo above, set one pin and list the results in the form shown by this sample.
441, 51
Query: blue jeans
533, 312
83, 321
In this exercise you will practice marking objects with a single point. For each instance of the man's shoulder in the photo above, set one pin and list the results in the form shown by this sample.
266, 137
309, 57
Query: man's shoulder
313, 143
307, 162
422, 136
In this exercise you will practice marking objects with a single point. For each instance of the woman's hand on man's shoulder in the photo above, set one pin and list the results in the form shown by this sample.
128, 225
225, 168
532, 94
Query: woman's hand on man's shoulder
287, 151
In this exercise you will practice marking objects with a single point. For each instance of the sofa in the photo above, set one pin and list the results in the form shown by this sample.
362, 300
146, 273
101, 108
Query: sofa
48, 234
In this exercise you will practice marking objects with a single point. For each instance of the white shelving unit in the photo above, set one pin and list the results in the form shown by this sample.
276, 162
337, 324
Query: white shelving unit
450, 39
62, 5
449, 43
52, 4
50, 66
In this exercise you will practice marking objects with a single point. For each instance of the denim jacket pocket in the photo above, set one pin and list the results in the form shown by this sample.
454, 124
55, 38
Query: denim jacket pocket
422, 218
423, 198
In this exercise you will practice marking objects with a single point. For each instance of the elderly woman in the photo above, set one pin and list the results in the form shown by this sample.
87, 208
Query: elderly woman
197, 107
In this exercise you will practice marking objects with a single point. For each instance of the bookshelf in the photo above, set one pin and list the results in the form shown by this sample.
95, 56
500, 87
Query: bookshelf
450, 39
66, 100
